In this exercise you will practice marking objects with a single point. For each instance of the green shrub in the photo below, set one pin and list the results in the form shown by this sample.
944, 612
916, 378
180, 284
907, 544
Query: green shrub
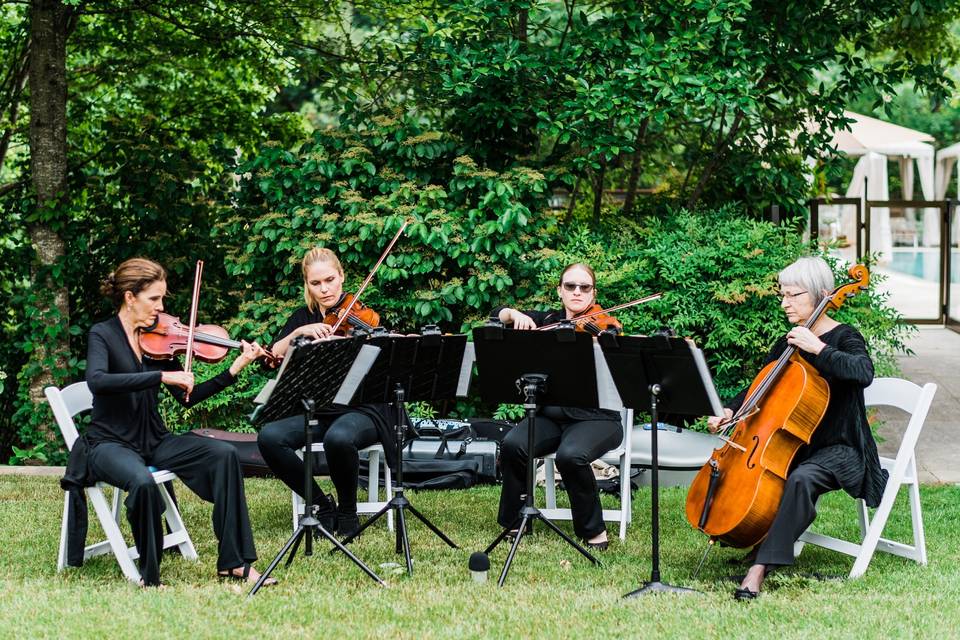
718, 273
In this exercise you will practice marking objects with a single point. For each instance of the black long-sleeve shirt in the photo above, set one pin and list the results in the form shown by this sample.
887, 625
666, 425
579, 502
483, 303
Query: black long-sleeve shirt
566, 414
842, 443
382, 414
126, 391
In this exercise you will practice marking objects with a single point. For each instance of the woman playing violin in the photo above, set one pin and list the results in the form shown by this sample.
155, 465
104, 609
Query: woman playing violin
578, 436
343, 431
127, 434
842, 453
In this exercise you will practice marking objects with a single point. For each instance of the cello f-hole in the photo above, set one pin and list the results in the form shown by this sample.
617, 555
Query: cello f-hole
756, 443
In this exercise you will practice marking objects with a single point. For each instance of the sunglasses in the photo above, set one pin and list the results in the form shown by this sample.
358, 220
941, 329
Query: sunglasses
573, 286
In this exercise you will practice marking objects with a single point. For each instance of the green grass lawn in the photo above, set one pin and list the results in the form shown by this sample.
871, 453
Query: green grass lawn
551, 592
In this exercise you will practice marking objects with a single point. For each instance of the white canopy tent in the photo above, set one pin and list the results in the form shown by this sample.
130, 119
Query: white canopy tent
876, 142
946, 163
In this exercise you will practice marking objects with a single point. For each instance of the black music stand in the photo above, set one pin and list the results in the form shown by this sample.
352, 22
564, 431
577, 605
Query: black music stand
544, 368
410, 368
313, 375
660, 373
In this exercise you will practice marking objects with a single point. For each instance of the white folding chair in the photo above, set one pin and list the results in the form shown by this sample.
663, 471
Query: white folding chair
375, 457
66, 403
916, 401
619, 457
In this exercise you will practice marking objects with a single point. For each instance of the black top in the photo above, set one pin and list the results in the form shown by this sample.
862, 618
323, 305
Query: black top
126, 391
842, 443
563, 414
381, 414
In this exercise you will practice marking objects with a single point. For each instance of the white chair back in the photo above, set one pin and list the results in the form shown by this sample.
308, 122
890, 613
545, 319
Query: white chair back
66, 403
905, 395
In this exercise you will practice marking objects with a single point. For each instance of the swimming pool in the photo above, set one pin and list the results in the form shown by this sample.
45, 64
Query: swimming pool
923, 264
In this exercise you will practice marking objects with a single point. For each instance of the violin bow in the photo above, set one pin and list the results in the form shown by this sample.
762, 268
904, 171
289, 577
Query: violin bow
194, 302
587, 316
346, 312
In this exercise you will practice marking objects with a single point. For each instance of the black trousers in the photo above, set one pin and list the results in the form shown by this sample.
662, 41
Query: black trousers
208, 467
342, 436
798, 507
577, 445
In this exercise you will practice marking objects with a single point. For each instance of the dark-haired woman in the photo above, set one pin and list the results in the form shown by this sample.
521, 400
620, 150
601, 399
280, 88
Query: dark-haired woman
343, 431
578, 436
127, 434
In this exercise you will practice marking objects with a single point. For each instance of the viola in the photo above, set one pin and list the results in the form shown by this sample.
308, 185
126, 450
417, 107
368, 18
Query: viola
168, 337
349, 315
735, 496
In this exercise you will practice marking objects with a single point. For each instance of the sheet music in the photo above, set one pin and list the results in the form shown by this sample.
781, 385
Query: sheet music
466, 369
707, 380
264, 394
607, 395
361, 366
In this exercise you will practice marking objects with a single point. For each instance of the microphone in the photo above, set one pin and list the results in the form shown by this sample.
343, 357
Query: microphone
479, 565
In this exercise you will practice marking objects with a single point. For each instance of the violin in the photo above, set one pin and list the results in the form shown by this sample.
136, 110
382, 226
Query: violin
350, 315
349, 310
168, 337
596, 320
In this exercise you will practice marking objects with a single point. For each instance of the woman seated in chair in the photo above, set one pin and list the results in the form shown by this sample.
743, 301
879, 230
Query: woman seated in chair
578, 436
127, 433
842, 453
343, 431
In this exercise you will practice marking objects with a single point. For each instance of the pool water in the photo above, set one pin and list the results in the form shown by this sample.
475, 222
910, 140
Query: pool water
924, 264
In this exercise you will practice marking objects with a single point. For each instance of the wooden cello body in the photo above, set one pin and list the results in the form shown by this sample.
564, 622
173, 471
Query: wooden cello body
736, 494
745, 500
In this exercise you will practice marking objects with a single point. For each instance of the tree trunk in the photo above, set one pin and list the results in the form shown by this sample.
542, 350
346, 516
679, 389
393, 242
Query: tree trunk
49, 21
719, 152
598, 194
635, 169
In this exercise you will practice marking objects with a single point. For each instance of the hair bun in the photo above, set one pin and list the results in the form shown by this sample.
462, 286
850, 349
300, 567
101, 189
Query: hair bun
109, 285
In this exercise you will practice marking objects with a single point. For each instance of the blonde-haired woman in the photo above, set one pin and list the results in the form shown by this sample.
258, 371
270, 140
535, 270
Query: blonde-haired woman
343, 430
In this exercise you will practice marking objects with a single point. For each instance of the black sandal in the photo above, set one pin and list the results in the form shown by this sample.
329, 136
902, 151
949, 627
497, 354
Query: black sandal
244, 577
745, 594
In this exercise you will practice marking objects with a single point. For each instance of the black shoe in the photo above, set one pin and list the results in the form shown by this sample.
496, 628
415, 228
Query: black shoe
347, 524
599, 546
327, 512
745, 594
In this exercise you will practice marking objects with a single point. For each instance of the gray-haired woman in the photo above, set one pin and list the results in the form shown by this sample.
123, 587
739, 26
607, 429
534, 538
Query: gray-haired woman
842, 453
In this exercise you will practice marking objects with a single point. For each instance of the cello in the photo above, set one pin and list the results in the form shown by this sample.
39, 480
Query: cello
735, 495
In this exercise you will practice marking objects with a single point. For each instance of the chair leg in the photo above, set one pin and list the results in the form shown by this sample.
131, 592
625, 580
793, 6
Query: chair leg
298, 508
875, 530
62, 551
388, 491
625, 494
373, 476
108, 521
178, 535
916, 516
550, 483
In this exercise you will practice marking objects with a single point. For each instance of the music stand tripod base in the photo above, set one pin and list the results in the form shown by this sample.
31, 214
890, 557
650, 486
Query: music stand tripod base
658, 587
313, 357
532, 385
424, 363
